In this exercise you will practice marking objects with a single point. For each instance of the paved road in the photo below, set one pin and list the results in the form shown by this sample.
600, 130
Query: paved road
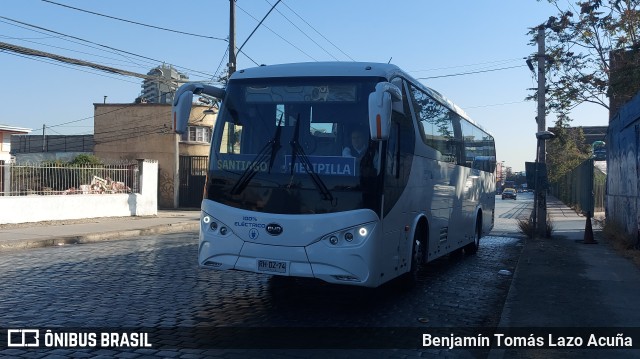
154, 283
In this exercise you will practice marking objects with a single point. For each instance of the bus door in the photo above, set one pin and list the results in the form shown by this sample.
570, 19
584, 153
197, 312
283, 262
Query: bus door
397, 167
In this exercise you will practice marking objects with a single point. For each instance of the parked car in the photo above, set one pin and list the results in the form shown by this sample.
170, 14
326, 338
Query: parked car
509, 193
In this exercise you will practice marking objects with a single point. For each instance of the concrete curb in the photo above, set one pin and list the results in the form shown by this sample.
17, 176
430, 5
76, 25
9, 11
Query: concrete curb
98, 237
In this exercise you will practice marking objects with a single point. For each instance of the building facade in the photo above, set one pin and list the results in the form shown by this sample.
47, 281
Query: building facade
143, 130
5, 150
5, 140
162, 90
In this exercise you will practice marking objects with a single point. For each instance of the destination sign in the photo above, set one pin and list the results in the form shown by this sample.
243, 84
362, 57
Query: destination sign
322, 165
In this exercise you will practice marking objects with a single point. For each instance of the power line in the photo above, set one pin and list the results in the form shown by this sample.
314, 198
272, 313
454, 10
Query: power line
151, 131
469, 73
495, 104
123, 134
61, 65
101, 114
469, 65
259, 23
215, 74
114, 50
97, 44
275, 33
92, 117
60, 36
137, 23
304, 33
71, 50
318, 32
32, 52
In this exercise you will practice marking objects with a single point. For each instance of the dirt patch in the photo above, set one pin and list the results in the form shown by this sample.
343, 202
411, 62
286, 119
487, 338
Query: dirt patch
623, 243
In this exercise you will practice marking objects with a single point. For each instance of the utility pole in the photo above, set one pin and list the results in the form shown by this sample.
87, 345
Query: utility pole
232, 37
44, 139
541, 190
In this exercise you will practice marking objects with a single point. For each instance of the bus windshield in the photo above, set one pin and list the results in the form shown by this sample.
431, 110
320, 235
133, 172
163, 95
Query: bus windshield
295, 146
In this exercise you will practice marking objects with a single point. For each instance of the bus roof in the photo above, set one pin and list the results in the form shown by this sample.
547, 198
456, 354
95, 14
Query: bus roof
336, 68
343, 68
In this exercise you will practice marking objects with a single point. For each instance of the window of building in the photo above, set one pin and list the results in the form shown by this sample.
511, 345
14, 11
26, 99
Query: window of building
197, 134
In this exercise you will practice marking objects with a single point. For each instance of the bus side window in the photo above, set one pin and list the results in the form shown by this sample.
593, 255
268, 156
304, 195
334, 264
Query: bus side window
435, 125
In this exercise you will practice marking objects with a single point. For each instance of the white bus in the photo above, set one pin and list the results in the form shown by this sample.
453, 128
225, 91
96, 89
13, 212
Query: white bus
291, 192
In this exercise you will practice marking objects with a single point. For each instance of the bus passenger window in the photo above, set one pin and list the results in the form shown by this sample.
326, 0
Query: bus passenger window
435, 125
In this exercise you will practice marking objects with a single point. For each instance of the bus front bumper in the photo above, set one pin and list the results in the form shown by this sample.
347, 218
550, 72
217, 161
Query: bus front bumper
321, 260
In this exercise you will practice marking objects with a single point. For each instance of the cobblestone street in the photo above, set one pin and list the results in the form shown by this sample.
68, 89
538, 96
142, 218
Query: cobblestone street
153, 284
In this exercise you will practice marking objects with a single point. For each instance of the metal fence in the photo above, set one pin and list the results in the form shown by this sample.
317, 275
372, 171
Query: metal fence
56, 179
51, 143
582, 189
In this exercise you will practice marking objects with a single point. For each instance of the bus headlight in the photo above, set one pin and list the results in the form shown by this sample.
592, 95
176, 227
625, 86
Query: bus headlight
211, 224
351, 236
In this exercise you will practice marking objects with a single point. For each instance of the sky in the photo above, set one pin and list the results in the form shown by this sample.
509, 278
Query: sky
472, 52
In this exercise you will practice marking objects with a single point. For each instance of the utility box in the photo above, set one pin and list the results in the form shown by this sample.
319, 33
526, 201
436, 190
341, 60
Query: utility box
540, 171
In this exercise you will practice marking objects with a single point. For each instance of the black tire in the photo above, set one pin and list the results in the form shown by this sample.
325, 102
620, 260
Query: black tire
408, 280
472, 247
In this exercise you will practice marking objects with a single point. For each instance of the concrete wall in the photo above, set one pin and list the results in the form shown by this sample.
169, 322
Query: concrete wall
5, 146
60, 207
130, 131
623, 167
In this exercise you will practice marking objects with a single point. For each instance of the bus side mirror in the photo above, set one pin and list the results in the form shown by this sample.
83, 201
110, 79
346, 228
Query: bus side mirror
380, 106
181, 111
183, 100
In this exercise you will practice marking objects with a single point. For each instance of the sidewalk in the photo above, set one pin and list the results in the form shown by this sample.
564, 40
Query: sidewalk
562, 282
34, 235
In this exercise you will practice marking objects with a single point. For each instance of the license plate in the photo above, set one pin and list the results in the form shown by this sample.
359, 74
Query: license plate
269, 266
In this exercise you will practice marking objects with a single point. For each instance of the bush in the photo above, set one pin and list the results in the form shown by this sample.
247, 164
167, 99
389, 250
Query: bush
624, 243
527, 228
85, 160
616, 234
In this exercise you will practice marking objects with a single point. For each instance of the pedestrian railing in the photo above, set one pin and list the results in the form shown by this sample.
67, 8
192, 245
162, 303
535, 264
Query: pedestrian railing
63, 179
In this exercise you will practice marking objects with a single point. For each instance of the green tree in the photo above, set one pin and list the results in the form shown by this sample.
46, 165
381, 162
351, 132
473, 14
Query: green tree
85, 160
565, 152
579, 43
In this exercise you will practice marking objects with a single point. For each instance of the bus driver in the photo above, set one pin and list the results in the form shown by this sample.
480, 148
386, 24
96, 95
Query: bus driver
358, 145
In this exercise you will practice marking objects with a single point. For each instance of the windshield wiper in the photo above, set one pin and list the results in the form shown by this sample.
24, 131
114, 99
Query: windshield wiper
269, 150
296, 149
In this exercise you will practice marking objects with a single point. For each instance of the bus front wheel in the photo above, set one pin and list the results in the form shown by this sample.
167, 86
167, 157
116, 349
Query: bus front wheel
472, 247
419, 247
